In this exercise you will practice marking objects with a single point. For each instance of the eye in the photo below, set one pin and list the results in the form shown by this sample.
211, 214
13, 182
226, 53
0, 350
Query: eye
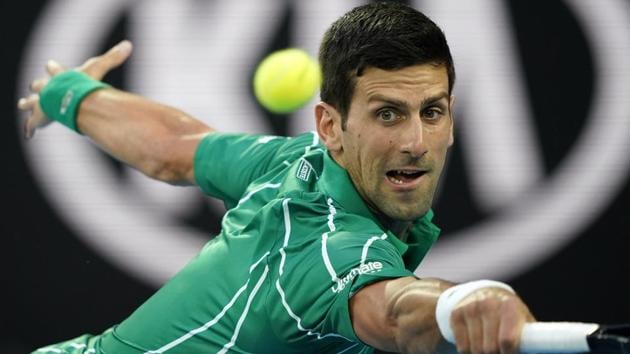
432, 113
387, 115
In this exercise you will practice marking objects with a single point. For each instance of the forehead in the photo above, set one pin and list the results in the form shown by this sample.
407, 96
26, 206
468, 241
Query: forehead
412, 83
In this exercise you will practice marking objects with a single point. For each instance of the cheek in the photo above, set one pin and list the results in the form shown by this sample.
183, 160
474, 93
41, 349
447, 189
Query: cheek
363, 153
441, 149
374, 154
440, 138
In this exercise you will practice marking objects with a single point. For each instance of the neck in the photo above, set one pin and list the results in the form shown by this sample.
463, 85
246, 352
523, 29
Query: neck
399, 228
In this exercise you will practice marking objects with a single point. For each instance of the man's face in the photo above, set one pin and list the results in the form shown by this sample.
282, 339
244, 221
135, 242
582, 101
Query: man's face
398, 131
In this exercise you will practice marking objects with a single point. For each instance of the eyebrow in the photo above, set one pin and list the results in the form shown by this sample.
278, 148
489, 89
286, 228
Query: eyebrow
399, 103
388, 100
429, 101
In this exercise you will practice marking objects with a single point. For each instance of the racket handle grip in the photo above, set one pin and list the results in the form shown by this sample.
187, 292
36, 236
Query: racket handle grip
556, 337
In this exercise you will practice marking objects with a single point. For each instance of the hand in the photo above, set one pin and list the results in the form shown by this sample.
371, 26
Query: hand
96, 67
489, 321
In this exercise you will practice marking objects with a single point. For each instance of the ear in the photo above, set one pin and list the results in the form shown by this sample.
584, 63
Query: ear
451, 104
328, 122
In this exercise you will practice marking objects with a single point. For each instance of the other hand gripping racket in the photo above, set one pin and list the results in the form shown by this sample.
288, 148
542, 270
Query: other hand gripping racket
575, 337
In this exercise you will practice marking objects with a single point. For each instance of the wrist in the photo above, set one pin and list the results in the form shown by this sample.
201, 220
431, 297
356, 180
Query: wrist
452, 296
61, 97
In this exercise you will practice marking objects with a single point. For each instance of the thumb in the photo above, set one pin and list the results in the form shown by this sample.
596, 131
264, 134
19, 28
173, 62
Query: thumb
98, 66
119, 53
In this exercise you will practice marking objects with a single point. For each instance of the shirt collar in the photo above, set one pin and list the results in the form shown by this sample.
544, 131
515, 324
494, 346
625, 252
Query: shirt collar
336, 183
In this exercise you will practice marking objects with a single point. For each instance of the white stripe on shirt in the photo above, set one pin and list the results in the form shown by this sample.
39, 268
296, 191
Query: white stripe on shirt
285, 304
232, 341
213, 321
367, 245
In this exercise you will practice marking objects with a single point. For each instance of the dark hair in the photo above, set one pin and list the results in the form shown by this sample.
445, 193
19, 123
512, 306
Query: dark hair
385, 35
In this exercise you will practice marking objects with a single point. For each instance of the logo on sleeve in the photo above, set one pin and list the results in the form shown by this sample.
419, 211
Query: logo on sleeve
367, 268
65, 102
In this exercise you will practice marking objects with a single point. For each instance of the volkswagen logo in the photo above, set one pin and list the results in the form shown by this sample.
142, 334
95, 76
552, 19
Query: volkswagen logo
199, 56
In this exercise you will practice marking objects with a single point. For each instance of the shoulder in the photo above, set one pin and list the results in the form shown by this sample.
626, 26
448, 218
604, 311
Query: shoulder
342, 232
270, 142
295, 147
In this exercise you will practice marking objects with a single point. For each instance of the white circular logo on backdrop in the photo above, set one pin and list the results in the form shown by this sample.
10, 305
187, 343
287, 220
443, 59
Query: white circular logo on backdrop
197, 57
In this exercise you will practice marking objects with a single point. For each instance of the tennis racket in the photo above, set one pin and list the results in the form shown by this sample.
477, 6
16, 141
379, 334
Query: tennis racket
575, 337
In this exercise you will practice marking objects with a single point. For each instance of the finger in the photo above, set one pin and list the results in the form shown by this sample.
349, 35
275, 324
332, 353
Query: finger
29, 131
35, 121
38, 84
28, 103
99, 66
490, 334
29, 127
53, 68
511, 325
458, 324
475, 334
22, 104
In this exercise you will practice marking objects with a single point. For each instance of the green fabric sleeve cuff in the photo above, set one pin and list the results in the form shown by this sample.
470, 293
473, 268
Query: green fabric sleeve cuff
60, 98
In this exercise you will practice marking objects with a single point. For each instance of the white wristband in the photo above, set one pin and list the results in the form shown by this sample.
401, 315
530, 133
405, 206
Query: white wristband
452, 296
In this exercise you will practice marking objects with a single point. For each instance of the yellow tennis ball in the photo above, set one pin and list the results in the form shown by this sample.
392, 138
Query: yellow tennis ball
286, 79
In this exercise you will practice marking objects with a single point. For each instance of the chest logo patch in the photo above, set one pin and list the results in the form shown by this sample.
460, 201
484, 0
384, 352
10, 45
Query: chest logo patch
304, 170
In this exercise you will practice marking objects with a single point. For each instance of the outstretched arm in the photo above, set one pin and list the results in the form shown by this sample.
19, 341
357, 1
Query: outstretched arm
156, 139
399, 316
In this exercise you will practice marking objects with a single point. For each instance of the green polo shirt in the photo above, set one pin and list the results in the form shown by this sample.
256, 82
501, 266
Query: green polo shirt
296, 243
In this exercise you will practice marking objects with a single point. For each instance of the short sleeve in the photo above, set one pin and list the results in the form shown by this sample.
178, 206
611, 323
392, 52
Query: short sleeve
226, 163
321, 281
381, 262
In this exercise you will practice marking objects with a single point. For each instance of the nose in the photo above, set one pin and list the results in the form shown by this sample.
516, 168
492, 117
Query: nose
412, 139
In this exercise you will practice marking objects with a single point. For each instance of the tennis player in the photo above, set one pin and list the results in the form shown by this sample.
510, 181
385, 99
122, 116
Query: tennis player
323, 230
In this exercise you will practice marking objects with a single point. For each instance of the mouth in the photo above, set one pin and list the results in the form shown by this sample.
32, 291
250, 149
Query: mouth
405, 177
